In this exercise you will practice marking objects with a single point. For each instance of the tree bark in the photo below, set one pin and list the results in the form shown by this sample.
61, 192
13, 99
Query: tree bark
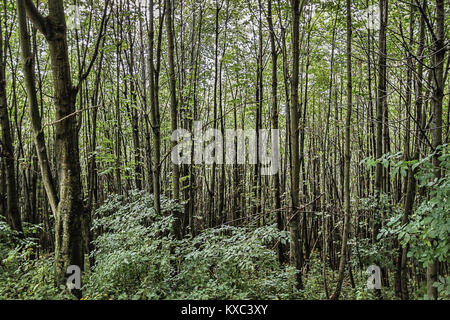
7, 149
296, 251
155, 119
276, 177
33, 107
347, 157
436, 132
68, 245
173, 113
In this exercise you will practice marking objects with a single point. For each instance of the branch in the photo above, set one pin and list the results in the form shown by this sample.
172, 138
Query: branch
38, 20
105, 19
299, 209
427, 21
447, 67
70, 115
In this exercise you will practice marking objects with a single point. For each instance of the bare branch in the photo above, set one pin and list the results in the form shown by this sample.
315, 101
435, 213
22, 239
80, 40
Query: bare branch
105, 19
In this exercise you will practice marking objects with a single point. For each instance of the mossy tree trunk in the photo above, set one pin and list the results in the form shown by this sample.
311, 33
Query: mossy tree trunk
68, 244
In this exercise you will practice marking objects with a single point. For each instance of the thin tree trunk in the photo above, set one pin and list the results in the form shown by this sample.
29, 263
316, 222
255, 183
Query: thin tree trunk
7, 156
276, 177
436, 131
296, 251
173, 113
347, 157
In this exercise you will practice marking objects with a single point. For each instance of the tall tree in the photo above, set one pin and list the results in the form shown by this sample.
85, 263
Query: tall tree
70, 209
347, 157
7, 152
173, 112
276, 178
411, 180
381, 99
436, 104
33, 107
381, 120
154, 116
296, 250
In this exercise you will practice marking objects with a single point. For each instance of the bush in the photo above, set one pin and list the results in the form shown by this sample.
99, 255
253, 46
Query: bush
427, 233
21, 276
133, 250
137, 257
233, 263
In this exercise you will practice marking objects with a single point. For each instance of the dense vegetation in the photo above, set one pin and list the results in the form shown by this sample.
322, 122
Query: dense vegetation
136, 257
92, 94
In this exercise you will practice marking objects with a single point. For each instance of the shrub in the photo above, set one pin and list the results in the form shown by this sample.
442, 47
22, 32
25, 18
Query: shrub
137, 257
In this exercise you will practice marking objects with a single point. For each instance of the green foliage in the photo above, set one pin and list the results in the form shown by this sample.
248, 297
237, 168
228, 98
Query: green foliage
427, 233
7, 238
366, 253
315, 285
137, 257
133, 251
443, 287
22, 276
233, 263
29, 279
380, 251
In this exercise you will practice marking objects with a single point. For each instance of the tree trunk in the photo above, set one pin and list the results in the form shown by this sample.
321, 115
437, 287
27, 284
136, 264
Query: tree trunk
39, 139
296, 251
173, 113
68, 245
347, 157
436, 131
7, 148
276, 177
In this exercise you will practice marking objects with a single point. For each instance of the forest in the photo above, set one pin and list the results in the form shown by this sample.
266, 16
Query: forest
224, 150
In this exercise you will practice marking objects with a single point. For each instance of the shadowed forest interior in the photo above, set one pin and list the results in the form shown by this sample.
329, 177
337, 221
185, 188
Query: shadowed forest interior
136, 137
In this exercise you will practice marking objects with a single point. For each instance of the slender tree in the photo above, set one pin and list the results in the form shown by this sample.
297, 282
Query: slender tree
173, 111
155, 117
276, 178
347, 157
436, 104
296, 250
7, 154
